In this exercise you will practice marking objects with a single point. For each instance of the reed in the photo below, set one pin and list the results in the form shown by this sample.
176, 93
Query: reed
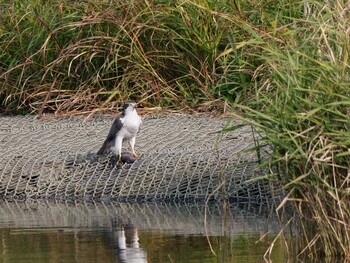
302, 105
82, 55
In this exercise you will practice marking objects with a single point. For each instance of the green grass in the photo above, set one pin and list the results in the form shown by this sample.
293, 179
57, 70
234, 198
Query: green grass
302, 104
283, 66
84, 55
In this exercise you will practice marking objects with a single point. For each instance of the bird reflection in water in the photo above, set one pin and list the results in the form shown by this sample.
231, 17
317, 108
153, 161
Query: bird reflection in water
128, 246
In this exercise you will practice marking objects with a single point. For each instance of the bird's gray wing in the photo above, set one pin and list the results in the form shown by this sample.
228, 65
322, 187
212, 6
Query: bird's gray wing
140, 125
115, 128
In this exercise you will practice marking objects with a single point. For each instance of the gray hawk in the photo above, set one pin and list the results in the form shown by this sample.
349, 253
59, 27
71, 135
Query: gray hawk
124, 128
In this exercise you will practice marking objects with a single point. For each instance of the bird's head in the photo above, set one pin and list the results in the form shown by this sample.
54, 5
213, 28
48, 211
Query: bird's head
129, 106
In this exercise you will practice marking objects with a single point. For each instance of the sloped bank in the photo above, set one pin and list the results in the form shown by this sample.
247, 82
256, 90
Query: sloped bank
183, 158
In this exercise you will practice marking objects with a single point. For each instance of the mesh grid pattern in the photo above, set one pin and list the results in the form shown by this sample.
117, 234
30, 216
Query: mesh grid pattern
180, 218
182, 158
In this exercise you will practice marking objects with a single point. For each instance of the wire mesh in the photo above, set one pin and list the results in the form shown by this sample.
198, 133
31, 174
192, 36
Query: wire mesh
182, 158
181, 218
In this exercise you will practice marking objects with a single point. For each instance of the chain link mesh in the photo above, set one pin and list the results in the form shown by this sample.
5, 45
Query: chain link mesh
181, 218
182, 158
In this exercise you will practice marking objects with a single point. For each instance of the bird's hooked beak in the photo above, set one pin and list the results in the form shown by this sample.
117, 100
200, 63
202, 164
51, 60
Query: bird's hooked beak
134, 105
131, 105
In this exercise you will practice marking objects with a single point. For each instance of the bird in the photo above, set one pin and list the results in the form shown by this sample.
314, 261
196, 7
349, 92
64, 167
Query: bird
125, 127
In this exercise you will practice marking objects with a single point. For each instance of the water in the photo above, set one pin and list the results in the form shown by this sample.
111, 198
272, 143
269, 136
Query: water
39, 231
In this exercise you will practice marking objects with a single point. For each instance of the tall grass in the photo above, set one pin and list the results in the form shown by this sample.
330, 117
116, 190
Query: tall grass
68, 56
302, 104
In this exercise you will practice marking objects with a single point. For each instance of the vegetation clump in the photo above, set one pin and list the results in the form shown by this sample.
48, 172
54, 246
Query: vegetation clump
302, 105
82, 55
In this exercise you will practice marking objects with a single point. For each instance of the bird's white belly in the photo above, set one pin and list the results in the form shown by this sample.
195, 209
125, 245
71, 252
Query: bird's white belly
127, 133
131, 126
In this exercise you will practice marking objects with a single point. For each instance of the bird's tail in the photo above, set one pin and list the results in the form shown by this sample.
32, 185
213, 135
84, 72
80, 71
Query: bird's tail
103, 149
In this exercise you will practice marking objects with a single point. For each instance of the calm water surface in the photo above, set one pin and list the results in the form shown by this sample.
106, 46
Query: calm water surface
38, 231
